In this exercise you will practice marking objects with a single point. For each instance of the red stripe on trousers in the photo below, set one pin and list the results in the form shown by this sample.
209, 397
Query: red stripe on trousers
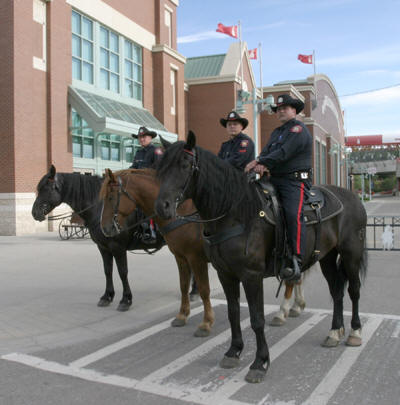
298, 219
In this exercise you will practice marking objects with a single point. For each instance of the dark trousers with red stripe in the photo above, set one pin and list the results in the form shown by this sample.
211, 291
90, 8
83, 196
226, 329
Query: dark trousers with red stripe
292, 194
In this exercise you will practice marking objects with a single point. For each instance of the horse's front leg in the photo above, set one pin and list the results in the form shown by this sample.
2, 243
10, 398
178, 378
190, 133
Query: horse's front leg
184, 282
231, 288
255, 297
122, 264
299, 301
109, 293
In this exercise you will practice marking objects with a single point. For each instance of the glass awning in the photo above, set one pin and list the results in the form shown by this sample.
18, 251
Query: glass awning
110, 116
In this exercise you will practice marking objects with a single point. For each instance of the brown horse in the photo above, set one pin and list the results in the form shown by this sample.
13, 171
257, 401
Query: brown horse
124, 191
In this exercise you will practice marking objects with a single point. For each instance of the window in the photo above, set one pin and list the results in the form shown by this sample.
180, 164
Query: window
168, 23
105, 59
133, 70
109, 60
110, 147
317, 163
82, 48
82, 137
323, 164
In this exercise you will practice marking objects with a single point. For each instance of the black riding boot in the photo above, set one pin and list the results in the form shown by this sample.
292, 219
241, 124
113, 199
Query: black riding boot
292, 272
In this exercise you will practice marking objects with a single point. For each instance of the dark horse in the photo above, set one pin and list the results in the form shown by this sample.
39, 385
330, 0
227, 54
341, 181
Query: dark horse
81, 193
223, 193
126, 190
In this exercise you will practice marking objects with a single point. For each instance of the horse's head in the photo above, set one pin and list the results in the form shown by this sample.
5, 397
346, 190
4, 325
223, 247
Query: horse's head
176, 171
48, 195
118, 204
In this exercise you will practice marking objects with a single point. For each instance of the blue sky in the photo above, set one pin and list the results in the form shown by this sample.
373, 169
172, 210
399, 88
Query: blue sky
356, 42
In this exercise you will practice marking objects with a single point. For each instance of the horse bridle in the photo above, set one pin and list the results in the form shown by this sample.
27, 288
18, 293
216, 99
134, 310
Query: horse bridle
180, 197
121, 190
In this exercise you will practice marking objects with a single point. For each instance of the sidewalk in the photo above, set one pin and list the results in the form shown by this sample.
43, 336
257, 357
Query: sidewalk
49, 291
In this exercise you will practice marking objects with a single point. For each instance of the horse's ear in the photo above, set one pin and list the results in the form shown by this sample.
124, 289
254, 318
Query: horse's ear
166, 144
110, 175
190, 141
52, 172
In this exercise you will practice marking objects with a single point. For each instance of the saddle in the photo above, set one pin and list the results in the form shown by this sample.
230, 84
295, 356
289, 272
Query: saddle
320, 205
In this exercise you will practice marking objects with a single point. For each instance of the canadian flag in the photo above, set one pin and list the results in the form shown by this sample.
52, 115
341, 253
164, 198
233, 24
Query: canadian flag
253, 53
305, 58
232, 31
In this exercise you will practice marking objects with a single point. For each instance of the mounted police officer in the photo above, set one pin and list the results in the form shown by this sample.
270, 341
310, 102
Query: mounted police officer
239, 149
146, 157
287, 157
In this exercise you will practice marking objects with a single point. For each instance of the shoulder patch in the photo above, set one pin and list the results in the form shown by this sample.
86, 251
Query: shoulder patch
158, 151
296, 128
244, 143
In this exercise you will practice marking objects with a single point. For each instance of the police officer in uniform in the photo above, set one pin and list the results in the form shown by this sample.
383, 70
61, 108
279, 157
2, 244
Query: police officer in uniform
146, 157
288, 159
148, 154
239, 150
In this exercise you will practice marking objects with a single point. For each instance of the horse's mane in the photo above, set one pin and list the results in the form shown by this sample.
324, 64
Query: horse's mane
143, 172
220, 187
79, 189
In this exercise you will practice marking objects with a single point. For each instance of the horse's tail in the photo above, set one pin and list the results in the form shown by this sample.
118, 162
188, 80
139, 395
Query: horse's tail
362, 271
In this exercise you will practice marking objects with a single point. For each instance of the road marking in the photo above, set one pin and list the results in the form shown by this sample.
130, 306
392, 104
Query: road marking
122, 344
212, 393
327, 387
396, 332
237, 381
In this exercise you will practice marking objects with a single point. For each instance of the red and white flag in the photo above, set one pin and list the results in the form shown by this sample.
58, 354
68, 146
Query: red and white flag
305, 58
253, 53
232, 31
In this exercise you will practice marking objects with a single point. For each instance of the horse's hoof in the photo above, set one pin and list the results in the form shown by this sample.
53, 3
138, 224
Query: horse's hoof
104, 302
178, 322
276, 321
255, 376
201, 332
353, 341
294, 313
194, 297
229, 362
123, 306
330, 342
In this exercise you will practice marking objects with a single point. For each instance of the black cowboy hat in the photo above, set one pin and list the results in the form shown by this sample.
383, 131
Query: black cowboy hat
234, 116
285, 99
144, 131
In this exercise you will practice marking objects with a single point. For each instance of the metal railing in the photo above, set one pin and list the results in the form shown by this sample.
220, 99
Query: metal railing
383, 232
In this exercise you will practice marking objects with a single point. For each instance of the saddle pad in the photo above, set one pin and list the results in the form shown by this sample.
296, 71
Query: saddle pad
333, 206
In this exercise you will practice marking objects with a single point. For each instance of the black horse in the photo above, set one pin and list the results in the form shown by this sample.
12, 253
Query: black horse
241, 242
81, 193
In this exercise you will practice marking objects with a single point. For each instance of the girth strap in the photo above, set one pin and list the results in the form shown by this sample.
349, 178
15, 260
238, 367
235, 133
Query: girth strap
224, 235
317, 209
173, 225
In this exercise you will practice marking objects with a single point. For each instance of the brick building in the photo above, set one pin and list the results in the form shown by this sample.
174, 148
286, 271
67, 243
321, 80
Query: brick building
78, 78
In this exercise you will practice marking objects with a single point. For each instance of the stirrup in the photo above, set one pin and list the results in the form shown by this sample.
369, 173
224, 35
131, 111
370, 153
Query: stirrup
289, 273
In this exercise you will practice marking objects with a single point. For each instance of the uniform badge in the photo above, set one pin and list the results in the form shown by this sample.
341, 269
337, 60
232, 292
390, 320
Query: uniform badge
280, 100
244, 144
296, 128
232, 115
158, 151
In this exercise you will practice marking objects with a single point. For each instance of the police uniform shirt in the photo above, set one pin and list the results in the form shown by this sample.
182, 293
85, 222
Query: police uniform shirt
146, 157
288, 150
238, 151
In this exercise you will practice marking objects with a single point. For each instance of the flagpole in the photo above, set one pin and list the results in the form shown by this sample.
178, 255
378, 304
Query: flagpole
241, 54
315, 80
259, 51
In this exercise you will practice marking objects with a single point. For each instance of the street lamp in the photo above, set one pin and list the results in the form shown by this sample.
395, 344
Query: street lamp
259, 105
